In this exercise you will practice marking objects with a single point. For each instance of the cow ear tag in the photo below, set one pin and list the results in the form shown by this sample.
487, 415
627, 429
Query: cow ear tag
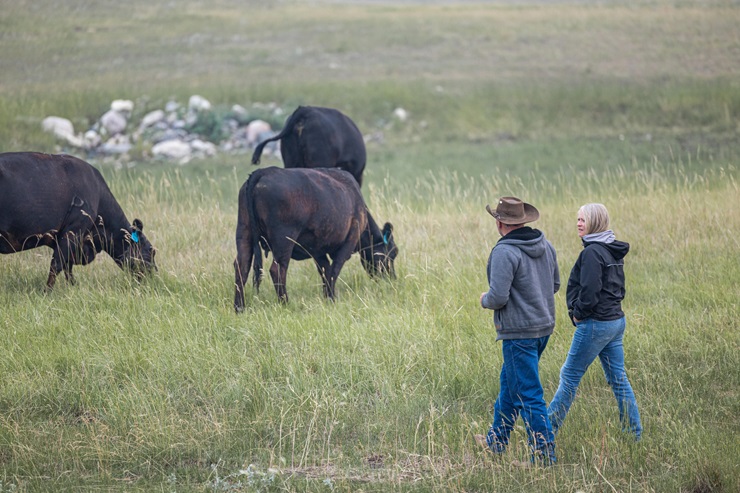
135, 236
385, 238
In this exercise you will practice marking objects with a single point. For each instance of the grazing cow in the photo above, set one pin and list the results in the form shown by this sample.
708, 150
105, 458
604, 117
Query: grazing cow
315, 137
301, 214
63, 202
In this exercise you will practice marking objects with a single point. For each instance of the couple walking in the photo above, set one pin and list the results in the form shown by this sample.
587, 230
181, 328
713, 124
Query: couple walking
523, 277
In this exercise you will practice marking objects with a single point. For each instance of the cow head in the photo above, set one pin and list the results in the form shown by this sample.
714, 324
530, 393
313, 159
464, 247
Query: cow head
378, 258
138, 253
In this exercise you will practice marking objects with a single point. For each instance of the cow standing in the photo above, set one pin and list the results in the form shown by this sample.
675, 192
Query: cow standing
315, 137
64, 203
301, 214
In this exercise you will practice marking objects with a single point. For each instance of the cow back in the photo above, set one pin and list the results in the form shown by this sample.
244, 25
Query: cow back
316, 137
315, 208
41, 193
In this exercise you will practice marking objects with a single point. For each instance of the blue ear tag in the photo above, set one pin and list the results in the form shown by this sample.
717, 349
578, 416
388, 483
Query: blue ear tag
385, 238
135, 236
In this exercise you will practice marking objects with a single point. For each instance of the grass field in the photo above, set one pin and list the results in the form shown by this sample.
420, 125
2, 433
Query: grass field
114, 385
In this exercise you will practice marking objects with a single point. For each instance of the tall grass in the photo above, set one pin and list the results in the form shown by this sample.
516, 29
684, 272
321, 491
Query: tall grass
160, 383
114, 384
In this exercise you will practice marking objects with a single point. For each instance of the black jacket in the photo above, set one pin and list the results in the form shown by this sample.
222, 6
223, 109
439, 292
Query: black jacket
596, 284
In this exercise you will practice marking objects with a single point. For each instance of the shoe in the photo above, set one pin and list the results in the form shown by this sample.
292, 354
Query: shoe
497, 450
481, 441
540, 458
547, 457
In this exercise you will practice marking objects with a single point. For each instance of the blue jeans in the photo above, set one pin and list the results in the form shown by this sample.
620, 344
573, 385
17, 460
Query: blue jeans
603, 339
521, 394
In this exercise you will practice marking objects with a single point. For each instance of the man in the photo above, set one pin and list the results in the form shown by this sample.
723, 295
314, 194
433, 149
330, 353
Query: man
523, 278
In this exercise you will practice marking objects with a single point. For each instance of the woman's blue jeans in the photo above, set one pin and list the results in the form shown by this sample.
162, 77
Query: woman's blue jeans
521, 393
603, 339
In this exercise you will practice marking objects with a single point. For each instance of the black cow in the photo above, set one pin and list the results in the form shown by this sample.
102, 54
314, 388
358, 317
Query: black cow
301, 214
315, 137
64, 203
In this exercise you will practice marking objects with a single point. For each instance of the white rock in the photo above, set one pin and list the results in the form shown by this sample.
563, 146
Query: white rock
118, 144
173, 149
254, 129
401, 114
203, 147
113, 122
75, 141
198, 103
91, 139
60, 127
239, 110
152, 118
122, 105
190, 120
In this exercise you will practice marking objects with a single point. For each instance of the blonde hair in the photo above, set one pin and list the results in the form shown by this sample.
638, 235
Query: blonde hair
596, 218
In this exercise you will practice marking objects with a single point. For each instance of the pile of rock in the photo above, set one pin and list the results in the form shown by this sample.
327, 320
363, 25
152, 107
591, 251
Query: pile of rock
181, 133
173, 132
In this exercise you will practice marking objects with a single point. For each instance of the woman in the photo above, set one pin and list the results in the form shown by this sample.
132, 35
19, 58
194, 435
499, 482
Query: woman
594, 296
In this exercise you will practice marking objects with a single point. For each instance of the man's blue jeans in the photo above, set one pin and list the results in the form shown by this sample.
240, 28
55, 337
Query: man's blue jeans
603, 339
521, 394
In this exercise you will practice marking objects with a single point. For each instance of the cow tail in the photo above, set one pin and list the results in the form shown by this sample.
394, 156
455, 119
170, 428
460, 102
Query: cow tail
254, 230
288, 127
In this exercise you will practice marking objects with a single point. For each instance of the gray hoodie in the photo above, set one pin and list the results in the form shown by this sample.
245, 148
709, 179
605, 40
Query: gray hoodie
523, 278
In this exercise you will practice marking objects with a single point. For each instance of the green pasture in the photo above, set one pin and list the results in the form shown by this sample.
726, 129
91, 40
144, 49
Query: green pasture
116, 385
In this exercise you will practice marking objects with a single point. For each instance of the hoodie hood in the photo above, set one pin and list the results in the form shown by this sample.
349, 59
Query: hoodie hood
528, 240
618, 249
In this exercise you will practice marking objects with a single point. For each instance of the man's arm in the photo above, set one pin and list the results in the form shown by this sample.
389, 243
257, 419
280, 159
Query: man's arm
500, 276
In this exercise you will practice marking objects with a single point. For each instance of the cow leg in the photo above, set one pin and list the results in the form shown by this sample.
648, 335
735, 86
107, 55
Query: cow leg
52, 277
242, 264
240, 278
342, 255
69, 276
257, 270
332, 276
70, 249
278, 272
87, 252
324, 267
59, 262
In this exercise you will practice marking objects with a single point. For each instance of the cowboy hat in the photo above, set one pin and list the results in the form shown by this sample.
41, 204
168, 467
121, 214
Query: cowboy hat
511, 210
